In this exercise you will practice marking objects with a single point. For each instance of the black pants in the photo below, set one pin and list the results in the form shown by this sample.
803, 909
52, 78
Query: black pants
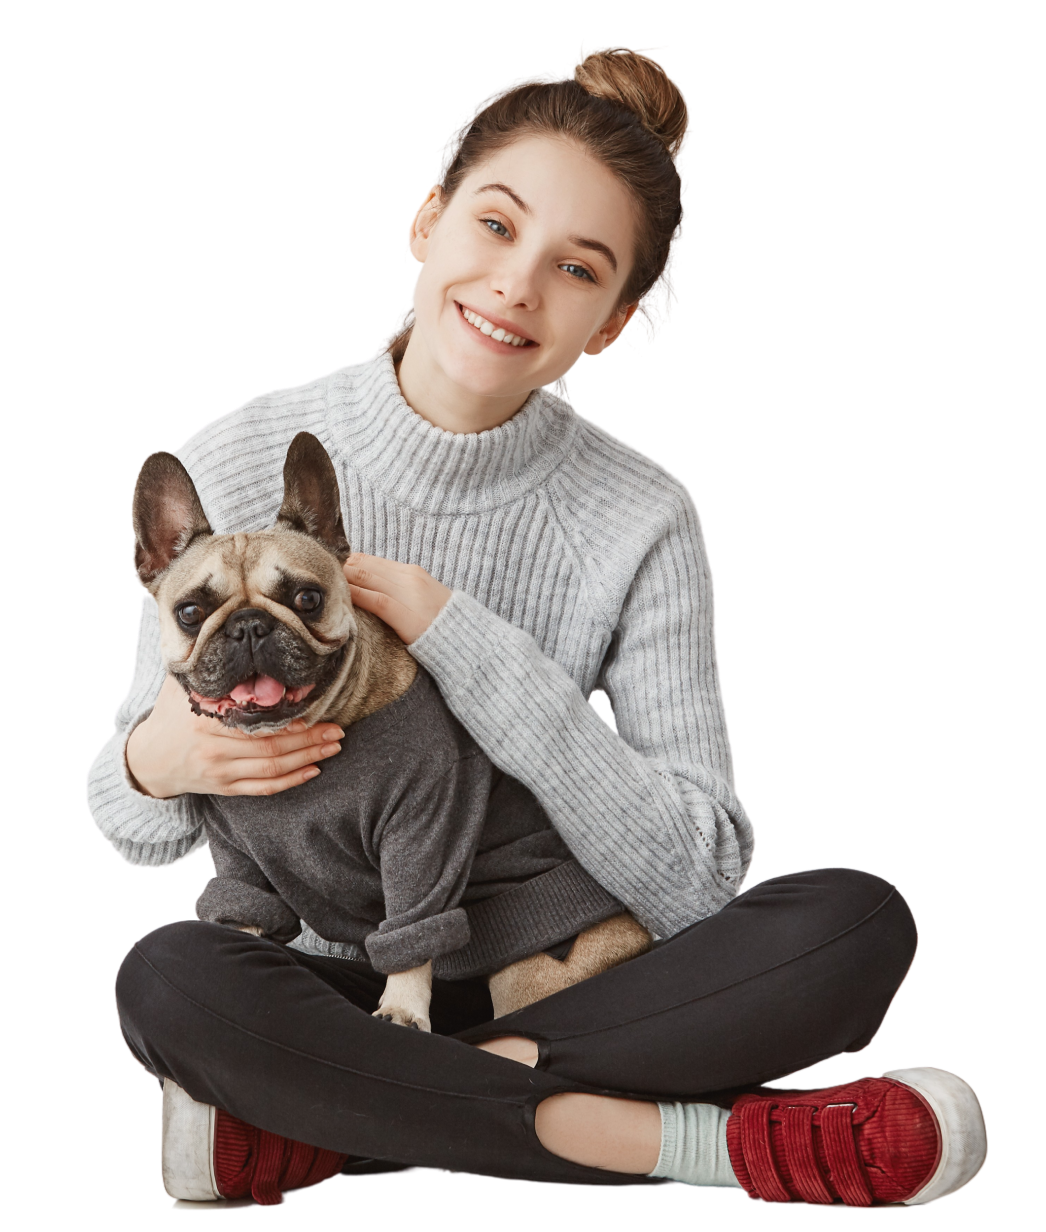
793, 971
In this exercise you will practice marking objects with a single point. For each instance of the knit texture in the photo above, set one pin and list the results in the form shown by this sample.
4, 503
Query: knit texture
575, 564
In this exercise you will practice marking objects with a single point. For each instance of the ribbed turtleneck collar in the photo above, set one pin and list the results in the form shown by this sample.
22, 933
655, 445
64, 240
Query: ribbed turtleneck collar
430, 469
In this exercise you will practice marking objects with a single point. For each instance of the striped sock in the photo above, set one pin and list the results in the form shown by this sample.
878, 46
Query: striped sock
693, 1145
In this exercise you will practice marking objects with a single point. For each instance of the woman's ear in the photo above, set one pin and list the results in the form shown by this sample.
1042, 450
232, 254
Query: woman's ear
424, 221
608, 333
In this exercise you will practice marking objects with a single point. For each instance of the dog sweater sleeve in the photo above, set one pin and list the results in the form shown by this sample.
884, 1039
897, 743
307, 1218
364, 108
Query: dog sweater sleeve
241, 894
426, 848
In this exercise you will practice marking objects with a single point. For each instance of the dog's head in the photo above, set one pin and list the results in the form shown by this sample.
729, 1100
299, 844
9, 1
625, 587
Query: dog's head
258, 628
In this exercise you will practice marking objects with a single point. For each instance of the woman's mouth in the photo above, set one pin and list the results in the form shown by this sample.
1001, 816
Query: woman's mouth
495, 333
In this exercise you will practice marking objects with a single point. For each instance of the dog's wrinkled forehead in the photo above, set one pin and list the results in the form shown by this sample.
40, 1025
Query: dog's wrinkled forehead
270, 569
250, 565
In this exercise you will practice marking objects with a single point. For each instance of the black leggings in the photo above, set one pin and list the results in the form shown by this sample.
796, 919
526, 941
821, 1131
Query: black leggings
793, 971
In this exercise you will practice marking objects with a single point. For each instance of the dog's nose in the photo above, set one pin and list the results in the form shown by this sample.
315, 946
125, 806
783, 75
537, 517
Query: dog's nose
249, 624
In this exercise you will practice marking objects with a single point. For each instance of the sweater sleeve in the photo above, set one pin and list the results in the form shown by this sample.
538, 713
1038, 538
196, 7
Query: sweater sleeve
650, 811
142, 829
425, 846
240, 894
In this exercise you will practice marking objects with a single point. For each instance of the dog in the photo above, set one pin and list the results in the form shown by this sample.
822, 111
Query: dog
410, 844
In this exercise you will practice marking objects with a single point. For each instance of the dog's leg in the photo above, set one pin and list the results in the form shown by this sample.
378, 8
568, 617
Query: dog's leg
406, 998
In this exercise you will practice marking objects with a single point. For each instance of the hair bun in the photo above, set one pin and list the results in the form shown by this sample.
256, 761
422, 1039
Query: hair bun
642, 86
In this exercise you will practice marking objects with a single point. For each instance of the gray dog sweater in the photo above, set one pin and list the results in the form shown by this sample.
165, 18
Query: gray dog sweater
410, 844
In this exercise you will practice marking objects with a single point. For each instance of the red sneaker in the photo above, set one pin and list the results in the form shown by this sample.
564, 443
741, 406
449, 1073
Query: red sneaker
911, 1136
208, 1154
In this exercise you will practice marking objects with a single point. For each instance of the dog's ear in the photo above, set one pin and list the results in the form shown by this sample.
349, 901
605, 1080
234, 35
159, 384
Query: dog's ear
311, 500
167, 515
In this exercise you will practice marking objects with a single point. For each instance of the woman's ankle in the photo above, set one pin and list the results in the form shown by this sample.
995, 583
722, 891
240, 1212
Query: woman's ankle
600, 1131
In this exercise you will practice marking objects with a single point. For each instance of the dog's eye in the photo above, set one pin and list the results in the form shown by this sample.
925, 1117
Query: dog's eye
308, 601
190, 615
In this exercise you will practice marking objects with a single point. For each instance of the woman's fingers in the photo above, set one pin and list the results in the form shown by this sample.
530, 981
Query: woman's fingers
408, 583
286, 741
175, 751
406, 597
375, 601
270, 787
269, 765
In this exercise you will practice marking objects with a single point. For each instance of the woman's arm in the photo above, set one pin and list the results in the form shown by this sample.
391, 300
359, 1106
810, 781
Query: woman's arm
650, 812
143, 829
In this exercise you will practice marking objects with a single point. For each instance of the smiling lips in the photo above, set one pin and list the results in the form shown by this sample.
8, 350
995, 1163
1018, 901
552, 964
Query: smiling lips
496, 332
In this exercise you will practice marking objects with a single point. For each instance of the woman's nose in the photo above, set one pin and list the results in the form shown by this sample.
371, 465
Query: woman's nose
517, 282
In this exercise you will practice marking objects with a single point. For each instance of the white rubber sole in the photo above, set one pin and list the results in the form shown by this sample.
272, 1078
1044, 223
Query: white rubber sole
232, 1204
964, 1142
188, 1146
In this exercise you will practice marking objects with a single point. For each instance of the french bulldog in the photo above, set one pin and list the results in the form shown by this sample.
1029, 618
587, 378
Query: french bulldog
259, 629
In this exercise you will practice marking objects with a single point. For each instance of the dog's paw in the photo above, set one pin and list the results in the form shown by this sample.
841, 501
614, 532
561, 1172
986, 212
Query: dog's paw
403, 1017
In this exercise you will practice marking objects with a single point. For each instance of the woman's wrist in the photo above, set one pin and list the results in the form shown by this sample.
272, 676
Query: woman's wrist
140, 773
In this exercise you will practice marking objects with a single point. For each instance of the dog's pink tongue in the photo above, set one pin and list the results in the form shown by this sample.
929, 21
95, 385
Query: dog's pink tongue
262, 690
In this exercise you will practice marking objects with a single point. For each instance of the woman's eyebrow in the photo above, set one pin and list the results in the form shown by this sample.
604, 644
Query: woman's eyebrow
580, 240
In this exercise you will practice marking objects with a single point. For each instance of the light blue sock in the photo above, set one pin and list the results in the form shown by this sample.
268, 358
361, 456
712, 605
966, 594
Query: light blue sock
693, 1145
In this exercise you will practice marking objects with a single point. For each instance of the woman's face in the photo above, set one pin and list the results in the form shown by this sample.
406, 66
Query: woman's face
537, 242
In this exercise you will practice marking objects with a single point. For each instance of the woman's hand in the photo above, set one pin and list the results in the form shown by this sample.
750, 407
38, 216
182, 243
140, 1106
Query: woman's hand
175, 751
406, 597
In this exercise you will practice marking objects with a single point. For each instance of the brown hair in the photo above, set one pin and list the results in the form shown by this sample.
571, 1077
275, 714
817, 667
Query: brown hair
621, 108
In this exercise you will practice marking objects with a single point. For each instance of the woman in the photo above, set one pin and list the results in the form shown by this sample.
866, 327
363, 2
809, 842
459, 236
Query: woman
525, 558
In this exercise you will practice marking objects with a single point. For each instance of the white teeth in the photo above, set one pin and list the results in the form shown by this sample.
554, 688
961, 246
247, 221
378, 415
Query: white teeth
497, 333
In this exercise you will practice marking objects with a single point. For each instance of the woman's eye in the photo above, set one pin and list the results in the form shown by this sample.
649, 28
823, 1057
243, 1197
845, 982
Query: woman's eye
498, 228
582, 275
189, 615
308, 601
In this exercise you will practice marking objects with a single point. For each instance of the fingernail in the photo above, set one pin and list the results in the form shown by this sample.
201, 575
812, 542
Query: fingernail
333, 733
311, 772
329, 750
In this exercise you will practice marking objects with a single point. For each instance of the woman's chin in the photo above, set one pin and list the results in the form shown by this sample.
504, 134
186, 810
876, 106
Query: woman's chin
483, 375
471, 372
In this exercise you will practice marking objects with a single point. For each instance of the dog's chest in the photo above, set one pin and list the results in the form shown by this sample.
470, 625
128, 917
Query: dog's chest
387, 765
411, 818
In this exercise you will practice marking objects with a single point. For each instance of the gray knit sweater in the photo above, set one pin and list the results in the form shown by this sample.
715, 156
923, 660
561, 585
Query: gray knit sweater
575, 563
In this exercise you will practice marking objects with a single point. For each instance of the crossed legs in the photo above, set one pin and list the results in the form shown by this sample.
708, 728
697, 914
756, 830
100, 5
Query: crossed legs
795, 970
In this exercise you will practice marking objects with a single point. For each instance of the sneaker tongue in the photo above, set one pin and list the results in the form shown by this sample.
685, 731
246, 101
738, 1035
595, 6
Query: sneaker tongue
262, 690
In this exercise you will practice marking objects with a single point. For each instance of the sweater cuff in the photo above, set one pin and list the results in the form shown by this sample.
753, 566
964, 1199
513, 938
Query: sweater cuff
460, 640
410, 945
132, 821
228, 901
